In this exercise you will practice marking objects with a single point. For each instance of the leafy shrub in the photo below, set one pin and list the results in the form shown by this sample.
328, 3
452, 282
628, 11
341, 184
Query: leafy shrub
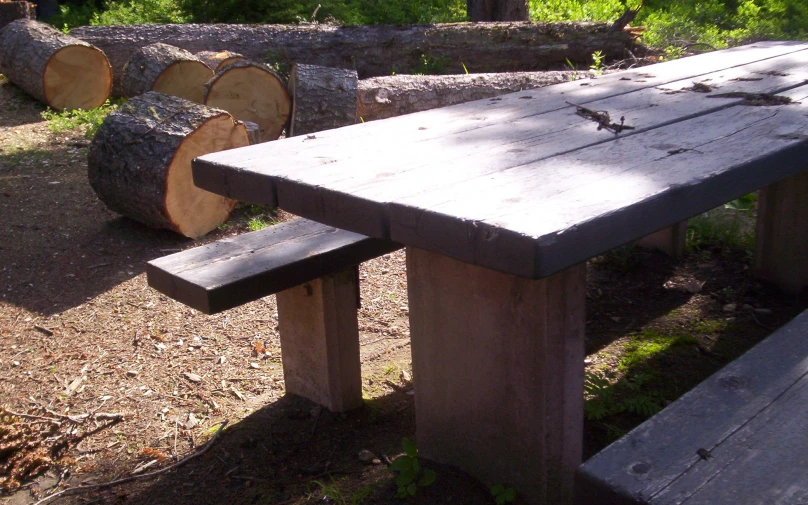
90, 120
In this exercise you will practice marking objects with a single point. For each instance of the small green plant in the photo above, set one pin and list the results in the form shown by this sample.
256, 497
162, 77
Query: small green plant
257, 223
90, 120
502, 494
597, 62
572, 67
464, 68
410, 474
431, 65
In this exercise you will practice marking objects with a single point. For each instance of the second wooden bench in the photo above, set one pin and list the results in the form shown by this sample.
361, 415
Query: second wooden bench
313, 270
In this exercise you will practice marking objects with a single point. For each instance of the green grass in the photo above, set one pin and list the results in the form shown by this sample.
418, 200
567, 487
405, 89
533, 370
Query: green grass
88, 120
649, 343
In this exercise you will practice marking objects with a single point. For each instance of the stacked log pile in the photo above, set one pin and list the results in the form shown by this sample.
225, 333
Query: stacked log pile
139, 162
57, 69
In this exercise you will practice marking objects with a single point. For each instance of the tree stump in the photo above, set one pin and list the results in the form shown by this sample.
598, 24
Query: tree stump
217, 60
165, 69
140, 162
322, 98
57, 69
251, 92
10, 11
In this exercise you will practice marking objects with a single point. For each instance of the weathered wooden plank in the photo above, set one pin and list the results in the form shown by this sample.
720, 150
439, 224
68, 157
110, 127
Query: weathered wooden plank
750, 416
499, 373
376, 141
233, 271
538, 219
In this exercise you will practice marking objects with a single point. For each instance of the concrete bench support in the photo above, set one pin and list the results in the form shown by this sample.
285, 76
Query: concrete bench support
498, 368
319, 340
669, 240
781, 237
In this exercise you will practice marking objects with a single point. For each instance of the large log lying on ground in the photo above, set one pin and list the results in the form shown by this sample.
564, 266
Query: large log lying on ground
383, 97
251, 92
165, 69
140, 162
380, 49
57, 69
322, 98
10, 11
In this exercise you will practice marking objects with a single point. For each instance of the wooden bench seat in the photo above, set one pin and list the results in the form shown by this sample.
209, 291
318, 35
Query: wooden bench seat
737, 438
312, 269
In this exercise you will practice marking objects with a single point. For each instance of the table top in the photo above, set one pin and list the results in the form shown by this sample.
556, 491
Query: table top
532, 182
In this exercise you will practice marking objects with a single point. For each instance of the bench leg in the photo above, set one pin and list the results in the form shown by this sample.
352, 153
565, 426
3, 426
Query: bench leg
781, 236
498, 365
670, 240
320, 341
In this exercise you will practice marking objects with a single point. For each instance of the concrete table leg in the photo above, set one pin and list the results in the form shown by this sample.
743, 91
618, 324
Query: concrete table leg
320, 341
670, 240
498, 370
781, 237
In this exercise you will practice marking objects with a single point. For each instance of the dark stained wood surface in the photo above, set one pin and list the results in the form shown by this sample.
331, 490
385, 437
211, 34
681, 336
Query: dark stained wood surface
233, 271
526, 184
750, 417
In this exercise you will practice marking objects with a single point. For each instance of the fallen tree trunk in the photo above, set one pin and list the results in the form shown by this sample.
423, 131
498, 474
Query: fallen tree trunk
251, 92
383, 97
378, 50
57, 69
217, 60
10, 11
323, 98
165, 69
139, 162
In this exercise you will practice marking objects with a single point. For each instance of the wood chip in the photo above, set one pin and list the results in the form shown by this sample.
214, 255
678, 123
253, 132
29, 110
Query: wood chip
192, 377
238, 394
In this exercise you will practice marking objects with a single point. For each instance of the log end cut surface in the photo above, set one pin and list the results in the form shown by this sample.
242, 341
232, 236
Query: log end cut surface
77, 77
184, 79
192, 209
252, 93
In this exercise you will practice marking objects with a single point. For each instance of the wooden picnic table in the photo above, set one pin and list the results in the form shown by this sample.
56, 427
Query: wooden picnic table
501, 201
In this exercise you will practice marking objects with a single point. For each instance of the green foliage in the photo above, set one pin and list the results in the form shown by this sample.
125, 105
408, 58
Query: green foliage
332, 493
686, 23
606, 397
643, 346
502, 494
119, 12
597, 62
351, 12
90, 120
410, 474
729, 227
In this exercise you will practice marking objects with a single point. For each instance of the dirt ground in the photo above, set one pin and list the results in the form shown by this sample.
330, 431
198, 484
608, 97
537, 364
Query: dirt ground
104, 377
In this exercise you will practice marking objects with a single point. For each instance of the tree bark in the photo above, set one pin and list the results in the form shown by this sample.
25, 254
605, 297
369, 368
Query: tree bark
217, 60
381, 49
165, 69
383, 97
10, 11
139, 162
57, 69
251, 92
498, 10
323, 98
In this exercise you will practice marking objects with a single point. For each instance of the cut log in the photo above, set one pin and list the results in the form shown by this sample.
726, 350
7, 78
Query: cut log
57, 69
322, 98
251, 92
165, 69
140, 162
217, 60
378, 50
10, 11
383, 97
